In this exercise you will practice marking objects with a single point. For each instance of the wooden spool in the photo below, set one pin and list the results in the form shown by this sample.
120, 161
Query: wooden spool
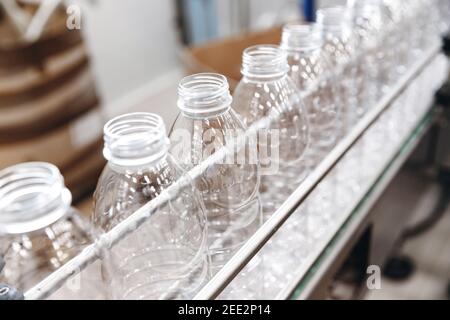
48, 103
56, 38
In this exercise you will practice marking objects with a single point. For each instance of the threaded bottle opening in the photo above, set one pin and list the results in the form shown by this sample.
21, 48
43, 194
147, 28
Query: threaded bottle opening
332, 19
204, 95
32, 197
364, 8
135, 139
301, 37
264, 61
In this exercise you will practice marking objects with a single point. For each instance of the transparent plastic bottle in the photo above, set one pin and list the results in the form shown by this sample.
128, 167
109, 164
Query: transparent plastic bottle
389, 47
367, 23
229, 188
313, 74
399, 44
40, 231
375, 36
311, 71
339, 44
416, 26
165, 258
408, 30
267, 91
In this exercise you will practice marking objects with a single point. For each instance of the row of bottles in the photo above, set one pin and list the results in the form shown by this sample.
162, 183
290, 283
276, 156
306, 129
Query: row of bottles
311, 90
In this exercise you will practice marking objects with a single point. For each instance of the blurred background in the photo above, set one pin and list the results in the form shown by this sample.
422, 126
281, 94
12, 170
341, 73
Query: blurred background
153, 56
58, 87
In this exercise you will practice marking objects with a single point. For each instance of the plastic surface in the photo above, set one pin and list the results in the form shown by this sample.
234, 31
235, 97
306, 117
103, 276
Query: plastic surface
266, 90
166, 257
39, 230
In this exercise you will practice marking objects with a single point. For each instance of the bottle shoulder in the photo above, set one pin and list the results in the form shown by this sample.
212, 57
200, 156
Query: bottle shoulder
255, 100
307, 70
223, 121
48, 249
120, 193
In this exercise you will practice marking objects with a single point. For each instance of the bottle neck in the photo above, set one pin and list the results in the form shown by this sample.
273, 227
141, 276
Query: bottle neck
334, 21
135, 140
297, 38
32, 197
264, 62
204, 95
363, 8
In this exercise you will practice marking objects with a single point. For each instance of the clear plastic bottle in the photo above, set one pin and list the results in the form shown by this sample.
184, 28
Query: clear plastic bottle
229, 188
376, 23
376, 32
311, 71
165, 258
390, 47
399, 44
40, 231
267, 91
408, 30
367, 23
339, 45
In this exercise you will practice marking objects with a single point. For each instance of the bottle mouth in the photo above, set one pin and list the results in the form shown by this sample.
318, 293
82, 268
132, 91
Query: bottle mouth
204, 95
301, 37
365, 8
332, 19
264, 61
135, 139
32, 197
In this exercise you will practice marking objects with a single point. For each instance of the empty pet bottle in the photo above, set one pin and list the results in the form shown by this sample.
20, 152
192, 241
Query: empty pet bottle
164, 258
339, 45
229, 188
267, 92
367, 23
399, 45
311, 71
40, 231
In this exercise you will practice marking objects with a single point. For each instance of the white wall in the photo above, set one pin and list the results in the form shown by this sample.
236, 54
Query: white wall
260, 14
131, 42
269, 12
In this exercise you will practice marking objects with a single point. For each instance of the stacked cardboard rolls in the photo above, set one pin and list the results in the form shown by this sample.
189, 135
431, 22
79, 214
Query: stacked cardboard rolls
49, 109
